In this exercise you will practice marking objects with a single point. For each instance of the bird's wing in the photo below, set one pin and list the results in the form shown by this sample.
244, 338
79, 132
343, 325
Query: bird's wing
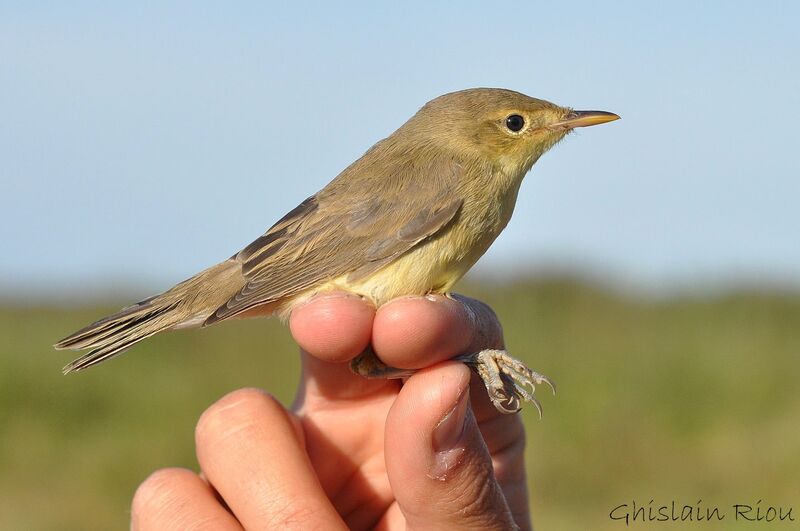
345, 229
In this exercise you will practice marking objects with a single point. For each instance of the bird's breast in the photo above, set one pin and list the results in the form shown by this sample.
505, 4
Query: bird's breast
437, 263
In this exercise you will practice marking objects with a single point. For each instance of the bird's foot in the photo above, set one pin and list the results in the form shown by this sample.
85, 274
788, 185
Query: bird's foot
507, 379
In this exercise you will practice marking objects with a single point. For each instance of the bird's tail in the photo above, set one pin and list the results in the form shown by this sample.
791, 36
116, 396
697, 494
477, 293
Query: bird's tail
185, 305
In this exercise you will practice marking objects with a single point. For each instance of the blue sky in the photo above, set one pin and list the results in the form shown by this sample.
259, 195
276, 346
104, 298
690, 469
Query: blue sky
141, 143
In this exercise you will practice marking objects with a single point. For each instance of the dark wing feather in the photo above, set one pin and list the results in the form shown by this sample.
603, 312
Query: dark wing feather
344, 229
276, 237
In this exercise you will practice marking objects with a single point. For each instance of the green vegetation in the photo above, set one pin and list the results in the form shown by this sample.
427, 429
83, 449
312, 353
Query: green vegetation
681, 399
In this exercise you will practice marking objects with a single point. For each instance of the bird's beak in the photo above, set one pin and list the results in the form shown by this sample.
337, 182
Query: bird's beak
584, 119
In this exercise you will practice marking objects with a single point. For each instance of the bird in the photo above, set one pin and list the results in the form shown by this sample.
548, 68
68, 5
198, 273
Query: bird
410, 217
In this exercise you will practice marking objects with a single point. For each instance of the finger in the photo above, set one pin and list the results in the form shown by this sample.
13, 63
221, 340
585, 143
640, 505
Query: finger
334, 327
504, 436
331, 330
437, 463
251, 451
415, 332
420, 331
177, 499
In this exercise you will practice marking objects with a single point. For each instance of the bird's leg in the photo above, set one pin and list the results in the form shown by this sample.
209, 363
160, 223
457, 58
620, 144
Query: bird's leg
368, 365
507, 379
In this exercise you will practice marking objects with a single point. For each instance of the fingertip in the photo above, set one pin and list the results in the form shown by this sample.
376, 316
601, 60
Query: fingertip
414, 332
333, 327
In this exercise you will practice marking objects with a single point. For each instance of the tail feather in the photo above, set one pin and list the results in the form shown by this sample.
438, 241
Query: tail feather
185, 305
87, 335
116, 333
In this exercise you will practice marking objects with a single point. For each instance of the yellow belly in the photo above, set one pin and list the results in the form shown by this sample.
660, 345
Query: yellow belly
423, 270
434, 265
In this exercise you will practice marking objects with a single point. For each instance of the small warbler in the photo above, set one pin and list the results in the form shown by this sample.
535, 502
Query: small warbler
410, 217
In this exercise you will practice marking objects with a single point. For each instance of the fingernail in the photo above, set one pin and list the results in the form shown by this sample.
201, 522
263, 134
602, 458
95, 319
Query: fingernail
447, 439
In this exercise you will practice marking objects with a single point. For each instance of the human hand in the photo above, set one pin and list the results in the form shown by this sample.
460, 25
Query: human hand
430, 453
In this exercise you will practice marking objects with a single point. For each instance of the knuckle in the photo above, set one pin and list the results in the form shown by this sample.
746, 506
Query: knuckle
487, 332
155, 493
484, 507
236, 410
476, 503
291, 514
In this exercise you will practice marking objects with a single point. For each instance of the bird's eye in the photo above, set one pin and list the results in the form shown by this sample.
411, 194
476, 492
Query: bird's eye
515, 123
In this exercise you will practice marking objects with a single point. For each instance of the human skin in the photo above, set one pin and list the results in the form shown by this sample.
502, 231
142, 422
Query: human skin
429, 453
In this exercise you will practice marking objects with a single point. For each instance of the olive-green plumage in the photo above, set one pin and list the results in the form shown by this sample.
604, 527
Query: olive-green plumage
409, 217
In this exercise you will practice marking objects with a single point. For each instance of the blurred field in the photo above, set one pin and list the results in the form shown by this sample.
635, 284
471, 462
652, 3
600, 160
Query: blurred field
681, 399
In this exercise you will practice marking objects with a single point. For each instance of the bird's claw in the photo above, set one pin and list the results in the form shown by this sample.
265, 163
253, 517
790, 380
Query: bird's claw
507, 379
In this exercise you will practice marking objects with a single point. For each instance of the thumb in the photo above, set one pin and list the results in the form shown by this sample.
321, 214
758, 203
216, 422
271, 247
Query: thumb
437, 462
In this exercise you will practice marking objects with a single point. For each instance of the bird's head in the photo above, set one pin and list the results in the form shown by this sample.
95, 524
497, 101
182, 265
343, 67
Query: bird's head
505, 128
